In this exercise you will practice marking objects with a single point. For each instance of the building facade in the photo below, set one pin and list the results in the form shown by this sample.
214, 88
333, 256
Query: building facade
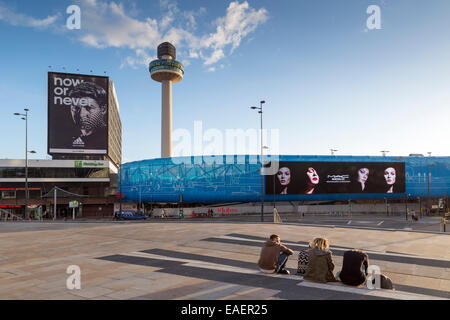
91, 182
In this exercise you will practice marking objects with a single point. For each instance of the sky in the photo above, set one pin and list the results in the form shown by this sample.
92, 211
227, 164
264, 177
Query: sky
329, 80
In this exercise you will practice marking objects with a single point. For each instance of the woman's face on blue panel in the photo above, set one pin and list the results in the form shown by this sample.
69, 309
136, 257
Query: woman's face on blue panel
312, 175
363, 175
390, 175
284, 176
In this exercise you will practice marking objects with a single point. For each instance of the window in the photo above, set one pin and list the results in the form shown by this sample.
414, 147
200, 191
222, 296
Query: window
8, 194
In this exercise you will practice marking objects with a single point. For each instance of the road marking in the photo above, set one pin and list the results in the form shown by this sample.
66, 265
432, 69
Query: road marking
379, 224
349, 222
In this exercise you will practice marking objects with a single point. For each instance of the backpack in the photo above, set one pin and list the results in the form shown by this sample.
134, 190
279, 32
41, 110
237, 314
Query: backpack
385, 282
303, 260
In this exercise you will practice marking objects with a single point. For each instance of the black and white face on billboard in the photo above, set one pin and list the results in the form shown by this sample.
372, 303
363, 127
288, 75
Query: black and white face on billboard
337, 177
77, 113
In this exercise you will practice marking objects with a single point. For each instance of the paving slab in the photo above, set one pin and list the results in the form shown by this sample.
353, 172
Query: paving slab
184, 265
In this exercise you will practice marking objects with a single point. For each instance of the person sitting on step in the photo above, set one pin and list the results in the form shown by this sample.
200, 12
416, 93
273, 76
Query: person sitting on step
274, 256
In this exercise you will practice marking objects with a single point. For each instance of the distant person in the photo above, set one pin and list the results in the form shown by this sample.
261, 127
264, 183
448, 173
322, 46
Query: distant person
320, 267
89, 115
274, 256
354, 268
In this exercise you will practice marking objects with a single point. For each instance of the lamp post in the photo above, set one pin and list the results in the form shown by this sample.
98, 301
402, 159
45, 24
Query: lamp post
406, 206
120, 188
428, 185
260, 111
25, 117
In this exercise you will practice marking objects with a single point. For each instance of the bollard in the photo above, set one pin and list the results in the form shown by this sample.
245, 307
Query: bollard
443, 225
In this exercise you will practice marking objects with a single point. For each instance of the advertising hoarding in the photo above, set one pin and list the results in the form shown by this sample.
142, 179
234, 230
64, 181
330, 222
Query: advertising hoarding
336, 177
77, 114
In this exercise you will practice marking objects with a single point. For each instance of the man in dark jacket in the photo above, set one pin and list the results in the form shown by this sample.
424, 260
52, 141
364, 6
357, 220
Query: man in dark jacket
354, 267
274, 256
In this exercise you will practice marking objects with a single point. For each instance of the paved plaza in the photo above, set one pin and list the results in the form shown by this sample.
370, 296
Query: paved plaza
206, 259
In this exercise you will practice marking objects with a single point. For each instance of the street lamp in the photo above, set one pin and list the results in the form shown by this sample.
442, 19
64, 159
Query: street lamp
120, 188
428, 185
25, 117
260, 111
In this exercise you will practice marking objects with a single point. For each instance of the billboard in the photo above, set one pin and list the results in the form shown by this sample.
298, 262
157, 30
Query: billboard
77, 113
336, 177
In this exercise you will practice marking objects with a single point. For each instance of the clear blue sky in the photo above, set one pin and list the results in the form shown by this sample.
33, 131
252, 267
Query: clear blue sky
328, 82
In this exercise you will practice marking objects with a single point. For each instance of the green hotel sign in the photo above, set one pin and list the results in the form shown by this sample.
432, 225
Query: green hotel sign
82, 164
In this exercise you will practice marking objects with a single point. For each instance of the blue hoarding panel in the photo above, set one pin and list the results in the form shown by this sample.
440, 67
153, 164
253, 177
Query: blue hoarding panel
212, 179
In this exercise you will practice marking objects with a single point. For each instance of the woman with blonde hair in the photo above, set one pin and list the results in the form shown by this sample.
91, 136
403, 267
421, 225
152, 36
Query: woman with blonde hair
321, 265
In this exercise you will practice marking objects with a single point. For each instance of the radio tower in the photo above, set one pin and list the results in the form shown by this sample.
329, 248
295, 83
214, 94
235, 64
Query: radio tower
166, 70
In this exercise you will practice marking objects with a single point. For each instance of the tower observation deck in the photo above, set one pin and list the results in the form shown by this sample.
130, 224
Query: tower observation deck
166, 70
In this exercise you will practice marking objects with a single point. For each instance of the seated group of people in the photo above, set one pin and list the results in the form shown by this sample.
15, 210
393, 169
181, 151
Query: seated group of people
316, 263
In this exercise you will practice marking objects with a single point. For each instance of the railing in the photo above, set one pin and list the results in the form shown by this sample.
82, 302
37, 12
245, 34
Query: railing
7, 215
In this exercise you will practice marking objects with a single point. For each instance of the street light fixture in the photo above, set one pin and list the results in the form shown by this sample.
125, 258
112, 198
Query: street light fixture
428, 185
260, 111
25, 117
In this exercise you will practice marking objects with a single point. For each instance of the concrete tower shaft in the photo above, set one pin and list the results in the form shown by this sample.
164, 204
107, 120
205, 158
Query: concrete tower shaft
166, 70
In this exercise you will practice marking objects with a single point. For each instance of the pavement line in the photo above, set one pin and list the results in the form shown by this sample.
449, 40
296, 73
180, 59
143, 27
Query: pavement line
220, 267
196, 263
379, 224
349, 222
382, 293
331, 226
236, 296
288, 243
221, 287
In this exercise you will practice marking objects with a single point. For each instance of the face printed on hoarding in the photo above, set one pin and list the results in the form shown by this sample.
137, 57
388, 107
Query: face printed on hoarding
363, 175
284, 176
390, 175
89, 110
312, 175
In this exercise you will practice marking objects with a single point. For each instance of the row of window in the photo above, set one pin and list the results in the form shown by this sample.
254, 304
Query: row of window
55, 172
